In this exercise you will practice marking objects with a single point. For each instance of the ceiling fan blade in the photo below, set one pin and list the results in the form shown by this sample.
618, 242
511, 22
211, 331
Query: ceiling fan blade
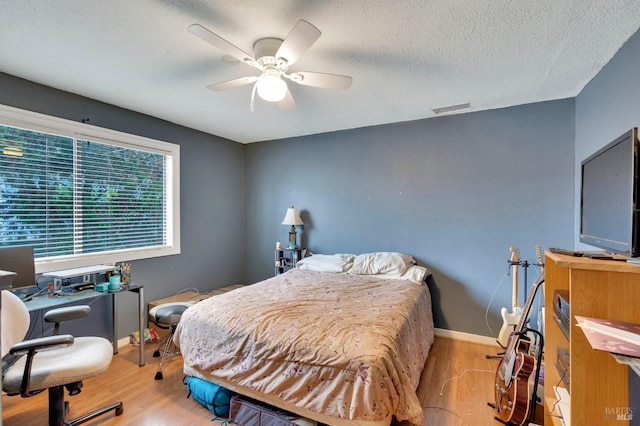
298, 41
287, 104
230, 84
327, 81
222, 44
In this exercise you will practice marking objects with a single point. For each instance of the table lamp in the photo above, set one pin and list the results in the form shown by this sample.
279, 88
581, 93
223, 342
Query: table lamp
292, 218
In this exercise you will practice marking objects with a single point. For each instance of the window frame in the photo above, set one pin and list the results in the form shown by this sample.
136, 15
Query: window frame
15, 117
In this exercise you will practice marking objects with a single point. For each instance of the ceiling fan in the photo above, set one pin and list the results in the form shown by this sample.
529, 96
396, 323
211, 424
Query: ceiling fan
273, 57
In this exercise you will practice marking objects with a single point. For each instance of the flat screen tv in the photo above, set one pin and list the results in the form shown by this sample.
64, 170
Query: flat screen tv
19, 259
608, 213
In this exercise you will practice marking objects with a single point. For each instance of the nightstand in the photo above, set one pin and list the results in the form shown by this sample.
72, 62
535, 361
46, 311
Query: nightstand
287, 258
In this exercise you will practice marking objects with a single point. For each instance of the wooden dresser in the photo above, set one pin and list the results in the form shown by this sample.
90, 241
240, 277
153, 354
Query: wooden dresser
599, 386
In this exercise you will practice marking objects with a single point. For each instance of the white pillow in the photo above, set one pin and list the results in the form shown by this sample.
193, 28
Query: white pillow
388, 263
415, 273
326, 262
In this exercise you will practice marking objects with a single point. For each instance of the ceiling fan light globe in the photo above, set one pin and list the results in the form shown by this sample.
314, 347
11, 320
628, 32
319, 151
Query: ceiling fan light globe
271, 88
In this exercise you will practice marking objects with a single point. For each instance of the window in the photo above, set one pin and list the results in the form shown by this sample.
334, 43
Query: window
82, 195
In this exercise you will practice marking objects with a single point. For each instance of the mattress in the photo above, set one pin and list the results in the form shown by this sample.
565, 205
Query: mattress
338, 348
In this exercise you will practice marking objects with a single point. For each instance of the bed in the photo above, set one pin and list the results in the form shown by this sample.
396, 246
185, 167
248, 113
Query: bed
340, 339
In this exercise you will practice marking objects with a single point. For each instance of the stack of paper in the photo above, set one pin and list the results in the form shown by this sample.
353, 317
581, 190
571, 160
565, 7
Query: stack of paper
611, 336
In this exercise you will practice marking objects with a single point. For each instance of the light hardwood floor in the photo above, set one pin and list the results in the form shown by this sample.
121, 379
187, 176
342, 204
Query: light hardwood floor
447, 398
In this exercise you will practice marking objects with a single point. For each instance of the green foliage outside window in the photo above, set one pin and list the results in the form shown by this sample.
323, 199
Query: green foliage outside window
69, 196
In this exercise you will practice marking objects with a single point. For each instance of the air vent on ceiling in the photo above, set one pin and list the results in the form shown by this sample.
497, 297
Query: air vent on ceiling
451, 108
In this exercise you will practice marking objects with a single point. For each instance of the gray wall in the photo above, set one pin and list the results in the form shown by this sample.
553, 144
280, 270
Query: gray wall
606, 108
212, 189
455, 192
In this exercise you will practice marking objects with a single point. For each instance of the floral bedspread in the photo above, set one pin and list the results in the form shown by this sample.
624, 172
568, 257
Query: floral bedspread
348, 346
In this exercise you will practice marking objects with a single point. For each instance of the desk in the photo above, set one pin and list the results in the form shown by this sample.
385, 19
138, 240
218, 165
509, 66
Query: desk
45, 302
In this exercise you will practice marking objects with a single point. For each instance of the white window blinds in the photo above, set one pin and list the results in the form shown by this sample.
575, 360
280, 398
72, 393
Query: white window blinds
76, 197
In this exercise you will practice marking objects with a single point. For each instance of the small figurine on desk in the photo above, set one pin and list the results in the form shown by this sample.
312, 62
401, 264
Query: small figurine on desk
124, 269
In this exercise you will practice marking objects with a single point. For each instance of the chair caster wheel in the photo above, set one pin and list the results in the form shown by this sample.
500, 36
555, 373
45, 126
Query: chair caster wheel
159, 375
119, 410
156, 353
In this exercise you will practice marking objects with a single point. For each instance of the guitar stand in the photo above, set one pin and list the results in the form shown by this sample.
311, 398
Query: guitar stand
525, 264
534, 394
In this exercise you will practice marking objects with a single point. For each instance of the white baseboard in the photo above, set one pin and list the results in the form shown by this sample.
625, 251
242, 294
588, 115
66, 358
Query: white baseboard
466, 337
123, 342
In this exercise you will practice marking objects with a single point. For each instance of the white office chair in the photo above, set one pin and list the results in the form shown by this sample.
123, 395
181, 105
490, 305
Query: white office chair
52, 362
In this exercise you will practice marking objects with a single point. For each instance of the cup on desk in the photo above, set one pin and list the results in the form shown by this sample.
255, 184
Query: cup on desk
114, 282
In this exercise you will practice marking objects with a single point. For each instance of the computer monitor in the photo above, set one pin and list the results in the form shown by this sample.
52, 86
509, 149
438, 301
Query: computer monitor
19, 259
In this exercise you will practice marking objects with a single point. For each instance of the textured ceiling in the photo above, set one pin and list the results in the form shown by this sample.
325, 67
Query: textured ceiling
405, 57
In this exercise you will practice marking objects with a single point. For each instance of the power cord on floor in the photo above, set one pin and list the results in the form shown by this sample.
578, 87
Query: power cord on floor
461, 375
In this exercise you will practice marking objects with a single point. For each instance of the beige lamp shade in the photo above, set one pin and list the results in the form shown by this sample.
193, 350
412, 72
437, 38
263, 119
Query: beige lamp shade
292, 217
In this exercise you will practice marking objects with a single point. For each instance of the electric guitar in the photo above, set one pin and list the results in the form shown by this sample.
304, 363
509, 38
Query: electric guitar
539, 257
512, 376
510, 320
